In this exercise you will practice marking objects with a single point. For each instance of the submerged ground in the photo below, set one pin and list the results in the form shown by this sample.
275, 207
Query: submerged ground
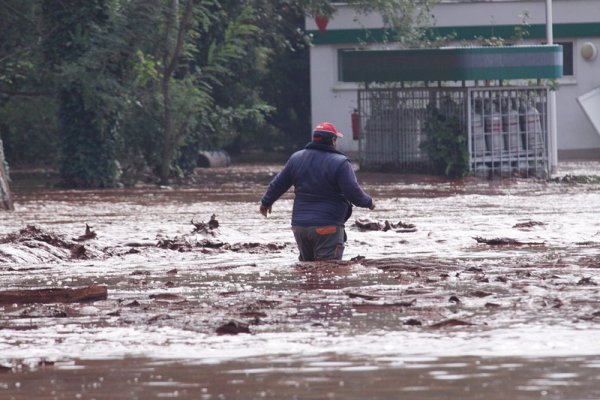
478, 289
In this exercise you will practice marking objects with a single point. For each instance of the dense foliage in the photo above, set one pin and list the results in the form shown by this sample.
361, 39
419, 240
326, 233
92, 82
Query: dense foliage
87, 123
446, 142
100, 88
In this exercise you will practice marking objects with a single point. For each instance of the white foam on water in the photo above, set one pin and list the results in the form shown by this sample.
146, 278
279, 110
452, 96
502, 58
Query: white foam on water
65, 341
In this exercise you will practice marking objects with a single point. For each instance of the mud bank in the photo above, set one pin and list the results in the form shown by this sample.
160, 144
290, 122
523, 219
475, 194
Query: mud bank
462, 271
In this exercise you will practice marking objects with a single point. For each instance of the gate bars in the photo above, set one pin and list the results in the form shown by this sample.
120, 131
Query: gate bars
506, 127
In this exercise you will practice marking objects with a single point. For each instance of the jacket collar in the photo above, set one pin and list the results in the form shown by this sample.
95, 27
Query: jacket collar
322, 147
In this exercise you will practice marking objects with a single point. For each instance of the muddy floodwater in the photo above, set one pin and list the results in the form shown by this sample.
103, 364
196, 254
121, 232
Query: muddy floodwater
468, 289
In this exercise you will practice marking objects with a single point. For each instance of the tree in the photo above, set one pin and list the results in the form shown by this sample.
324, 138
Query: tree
221, 81
18, 49
27, 108
150, 82
5, 197
179, 69
73, 42
285, 83
178, 26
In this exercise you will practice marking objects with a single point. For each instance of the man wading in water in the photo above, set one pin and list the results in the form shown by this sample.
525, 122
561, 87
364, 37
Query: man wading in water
325, 188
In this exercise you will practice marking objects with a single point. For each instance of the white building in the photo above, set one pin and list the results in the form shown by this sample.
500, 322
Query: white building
576, 27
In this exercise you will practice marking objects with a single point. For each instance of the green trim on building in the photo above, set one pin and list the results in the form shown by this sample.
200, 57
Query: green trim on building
357, 36
451, 64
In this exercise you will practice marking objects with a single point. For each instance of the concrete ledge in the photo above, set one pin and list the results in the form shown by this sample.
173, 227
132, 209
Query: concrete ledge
579, 154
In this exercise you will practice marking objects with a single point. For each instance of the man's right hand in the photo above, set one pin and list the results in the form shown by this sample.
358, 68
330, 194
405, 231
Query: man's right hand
264, 210
372, 206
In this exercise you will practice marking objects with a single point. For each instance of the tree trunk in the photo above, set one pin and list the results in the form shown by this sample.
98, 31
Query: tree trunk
5, 200
167, 155
171, 61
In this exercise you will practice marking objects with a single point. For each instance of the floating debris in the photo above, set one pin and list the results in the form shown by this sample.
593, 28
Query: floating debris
361, 296
492, 305
54, 295
585, 179
365, 224
52, 244
167, 297
79, 252
210, 244
174, 244
88, 235
506, 242
480, 293
399, 227
454, 299
184, 245
528, 224
206, 227
159, 317
450, 323
32, 232
412, 322
233, 328
586, 281
366, 307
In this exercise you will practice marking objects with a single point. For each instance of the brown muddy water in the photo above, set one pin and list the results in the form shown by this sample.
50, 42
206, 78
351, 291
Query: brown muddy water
473, 289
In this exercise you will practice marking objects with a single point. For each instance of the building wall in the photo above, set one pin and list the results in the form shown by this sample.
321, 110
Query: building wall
334, 101
575, 131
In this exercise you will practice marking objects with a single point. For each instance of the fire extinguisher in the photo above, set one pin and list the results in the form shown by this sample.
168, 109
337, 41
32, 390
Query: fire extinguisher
355, 116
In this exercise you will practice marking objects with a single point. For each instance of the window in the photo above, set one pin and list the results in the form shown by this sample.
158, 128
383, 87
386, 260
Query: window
567, 58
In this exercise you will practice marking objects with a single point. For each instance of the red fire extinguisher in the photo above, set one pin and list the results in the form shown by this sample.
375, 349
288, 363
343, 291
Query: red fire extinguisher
355, 124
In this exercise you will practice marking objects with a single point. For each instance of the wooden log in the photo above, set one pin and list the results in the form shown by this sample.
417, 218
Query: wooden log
5, 199
54, 295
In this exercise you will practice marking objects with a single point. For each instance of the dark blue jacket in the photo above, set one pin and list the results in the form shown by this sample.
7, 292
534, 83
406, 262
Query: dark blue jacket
324, 186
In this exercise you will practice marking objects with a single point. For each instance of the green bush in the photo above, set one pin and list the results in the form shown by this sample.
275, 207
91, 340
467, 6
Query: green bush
446, 143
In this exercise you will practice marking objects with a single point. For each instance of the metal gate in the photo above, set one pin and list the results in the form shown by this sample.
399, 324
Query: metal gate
508, 131
392, 128
506, 127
